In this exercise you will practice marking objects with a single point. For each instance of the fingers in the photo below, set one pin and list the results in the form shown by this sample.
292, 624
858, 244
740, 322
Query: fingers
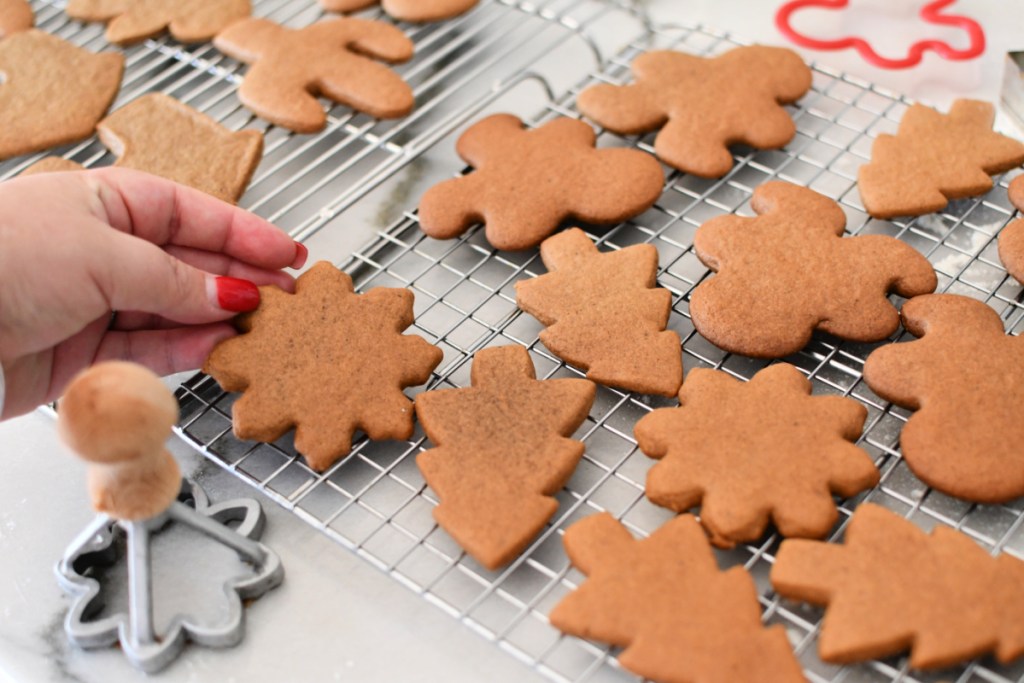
165, 352
221, 264
165, 213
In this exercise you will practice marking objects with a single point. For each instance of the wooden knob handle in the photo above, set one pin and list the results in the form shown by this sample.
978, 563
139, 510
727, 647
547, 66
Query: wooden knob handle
117, 416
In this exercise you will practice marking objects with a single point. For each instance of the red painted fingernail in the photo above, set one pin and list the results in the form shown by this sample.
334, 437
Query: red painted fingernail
236, 295
301, 254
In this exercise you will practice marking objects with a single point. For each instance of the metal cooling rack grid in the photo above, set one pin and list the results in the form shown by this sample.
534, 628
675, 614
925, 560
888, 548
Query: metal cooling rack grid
376, 503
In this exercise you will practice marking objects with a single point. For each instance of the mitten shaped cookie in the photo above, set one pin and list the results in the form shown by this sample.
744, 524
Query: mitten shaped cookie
892, 587
750, 451
132, 21
34, 114
333, 58
15, 16
605, 313
326, 361
965, 379
160, 135
704, 104
934, 158
527, 182
663, 599
789, 272
503, 451
416, 11
1011, 239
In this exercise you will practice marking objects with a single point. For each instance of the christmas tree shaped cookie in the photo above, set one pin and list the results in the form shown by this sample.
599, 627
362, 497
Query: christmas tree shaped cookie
704, 104
502, 452
406, 10
663, 599
1011, 239
189, 21
326, 361
750, 451
332, 58
965, 379
605, 314
934, 158
527, 182
891, 587
789, 272
51, 92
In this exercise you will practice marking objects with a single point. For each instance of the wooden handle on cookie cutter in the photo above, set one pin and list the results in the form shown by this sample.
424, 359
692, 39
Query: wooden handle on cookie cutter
117, 417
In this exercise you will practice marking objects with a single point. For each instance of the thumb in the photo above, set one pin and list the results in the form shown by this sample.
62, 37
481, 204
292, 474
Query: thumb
136, 275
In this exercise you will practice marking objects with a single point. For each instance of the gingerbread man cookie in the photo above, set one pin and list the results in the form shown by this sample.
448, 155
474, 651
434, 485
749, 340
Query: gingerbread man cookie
15, 16
326, 361
34, 112
704, 104
891, 587
663, 599
503, 451
527, 182
132, 21
333, 58
417, 11
965, 379
789, 272
934, 158
750, 451
604, 313
1011, 239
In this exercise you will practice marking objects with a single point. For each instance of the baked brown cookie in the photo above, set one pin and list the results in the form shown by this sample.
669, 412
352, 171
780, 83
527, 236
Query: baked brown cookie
965, 379
1011, 239
892, 587
160, 135
52, 165
15, 16
132, 21
704, 104
934, 158
663, 599
789, 272
326, 361
34, 114
750, 451
604, 313
333, 58
417, 11
502, 452
527, 182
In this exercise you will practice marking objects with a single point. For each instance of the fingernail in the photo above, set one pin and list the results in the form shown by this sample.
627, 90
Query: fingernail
236, 295
301, 254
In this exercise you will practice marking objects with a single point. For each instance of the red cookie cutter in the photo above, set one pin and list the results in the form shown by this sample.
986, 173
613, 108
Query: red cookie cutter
930, 13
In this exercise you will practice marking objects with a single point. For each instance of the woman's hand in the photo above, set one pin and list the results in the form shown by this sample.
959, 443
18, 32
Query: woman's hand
174, 263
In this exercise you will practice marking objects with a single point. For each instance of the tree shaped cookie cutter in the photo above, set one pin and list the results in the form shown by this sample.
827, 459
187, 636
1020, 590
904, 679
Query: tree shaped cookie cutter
117, 486
930, 13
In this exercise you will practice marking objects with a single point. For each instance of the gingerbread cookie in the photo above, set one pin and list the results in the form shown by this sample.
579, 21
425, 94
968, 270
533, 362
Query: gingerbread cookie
789, 272
34, 114
132, 21
704, 104
605, 314
665, 601
892, 587
15, 16
750, 451
934, 158
332, 58
965, 379
502, 452
417, 11
1011, 239
52, 165
528, 181
326, 361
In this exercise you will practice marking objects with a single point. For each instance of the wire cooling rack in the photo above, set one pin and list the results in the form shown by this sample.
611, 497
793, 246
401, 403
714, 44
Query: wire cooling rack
375, 502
